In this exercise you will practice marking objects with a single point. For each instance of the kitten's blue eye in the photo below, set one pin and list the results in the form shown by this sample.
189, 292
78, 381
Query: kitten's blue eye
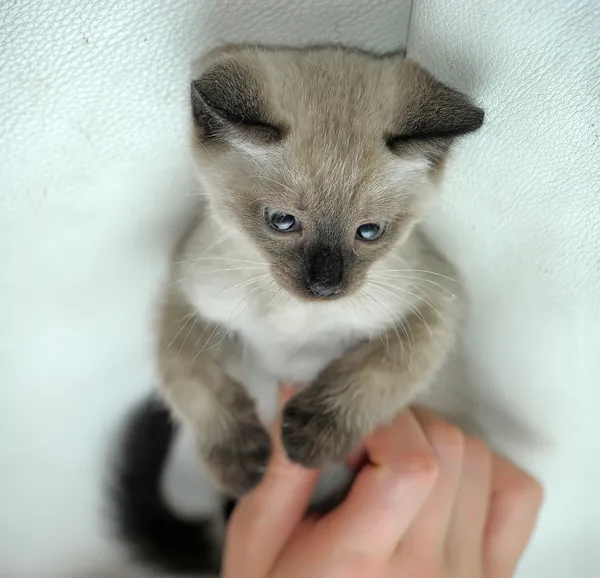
281, 222
369, 231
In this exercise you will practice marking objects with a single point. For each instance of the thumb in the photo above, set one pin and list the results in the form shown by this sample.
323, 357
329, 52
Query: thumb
264, 520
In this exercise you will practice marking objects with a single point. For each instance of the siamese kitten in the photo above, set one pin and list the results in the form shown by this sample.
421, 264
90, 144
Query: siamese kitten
304, 265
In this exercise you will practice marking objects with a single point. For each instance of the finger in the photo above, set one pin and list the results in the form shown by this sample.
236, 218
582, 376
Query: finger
465, 534
387, 494
428, 533
515, 504
264, 519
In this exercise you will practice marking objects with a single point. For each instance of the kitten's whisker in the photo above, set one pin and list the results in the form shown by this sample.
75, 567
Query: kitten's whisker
424, 271
385, 344
247, 300
216, 272
353, 304
274, 294
227, 259
396, 317
414, 310
414, 278
206, 343
206, 326
425, 292
281, 294
214, 244
378, 290
382, 334
245, 283
228, 269
186, 337
391, 291
187, 320
451, 296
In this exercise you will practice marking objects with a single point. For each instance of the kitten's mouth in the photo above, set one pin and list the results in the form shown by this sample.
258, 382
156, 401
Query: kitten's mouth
318, 294
314, 291
322, 290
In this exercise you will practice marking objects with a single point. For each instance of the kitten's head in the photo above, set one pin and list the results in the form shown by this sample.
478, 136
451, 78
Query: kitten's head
323, 158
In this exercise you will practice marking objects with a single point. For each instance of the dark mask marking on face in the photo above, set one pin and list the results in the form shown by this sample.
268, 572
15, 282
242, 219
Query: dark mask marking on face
324, 270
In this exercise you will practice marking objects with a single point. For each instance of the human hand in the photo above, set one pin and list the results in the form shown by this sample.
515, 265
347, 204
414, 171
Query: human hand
430, 502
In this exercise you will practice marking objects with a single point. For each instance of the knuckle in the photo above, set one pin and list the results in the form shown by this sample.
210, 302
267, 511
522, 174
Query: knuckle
527, 491
536, 492
477, 452
447, 436
447, 439
424, 466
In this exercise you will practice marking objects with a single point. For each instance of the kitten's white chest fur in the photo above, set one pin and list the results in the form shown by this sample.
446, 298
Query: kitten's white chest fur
270, 336
271, 343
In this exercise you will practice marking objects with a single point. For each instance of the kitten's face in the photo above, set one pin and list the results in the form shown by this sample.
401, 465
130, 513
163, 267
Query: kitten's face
324, 158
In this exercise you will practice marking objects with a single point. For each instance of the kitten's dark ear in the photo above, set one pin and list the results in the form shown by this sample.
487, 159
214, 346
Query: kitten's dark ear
433, 111
228, 100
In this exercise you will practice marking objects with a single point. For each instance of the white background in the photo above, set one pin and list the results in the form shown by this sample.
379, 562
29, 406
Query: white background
94, 184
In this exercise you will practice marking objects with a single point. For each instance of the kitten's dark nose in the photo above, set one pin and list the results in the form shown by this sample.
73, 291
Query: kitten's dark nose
324, 266
324, 290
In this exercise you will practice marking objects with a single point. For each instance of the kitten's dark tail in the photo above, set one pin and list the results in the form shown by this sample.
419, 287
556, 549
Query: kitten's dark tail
145, 522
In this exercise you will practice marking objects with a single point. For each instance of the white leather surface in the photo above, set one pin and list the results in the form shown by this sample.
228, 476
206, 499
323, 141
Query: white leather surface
93, 109
93, 114
521, 217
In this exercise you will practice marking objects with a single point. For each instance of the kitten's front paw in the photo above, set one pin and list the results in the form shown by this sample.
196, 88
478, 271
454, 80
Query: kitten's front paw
239, 461
313, 432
